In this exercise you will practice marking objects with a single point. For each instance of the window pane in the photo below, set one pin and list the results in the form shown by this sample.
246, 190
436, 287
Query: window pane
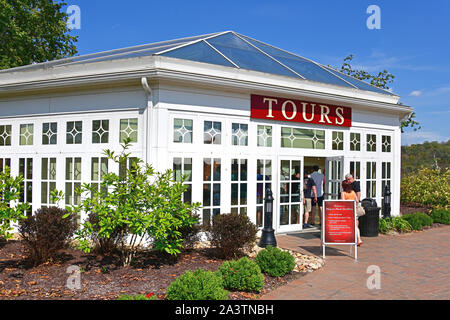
129, 129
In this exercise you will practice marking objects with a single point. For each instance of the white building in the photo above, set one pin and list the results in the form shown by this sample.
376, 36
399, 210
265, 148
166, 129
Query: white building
224, 108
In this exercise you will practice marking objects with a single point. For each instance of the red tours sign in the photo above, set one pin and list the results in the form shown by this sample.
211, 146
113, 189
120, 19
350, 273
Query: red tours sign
282, 109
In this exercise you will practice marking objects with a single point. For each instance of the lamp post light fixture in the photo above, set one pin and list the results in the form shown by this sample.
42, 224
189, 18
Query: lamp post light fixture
387, 202
268, 233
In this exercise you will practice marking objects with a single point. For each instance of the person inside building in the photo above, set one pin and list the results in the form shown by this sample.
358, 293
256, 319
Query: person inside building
355, 185
349, 194
309, 195
318, 179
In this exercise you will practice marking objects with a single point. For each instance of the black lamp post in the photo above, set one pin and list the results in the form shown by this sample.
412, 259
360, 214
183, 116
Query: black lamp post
268, 234
387, 202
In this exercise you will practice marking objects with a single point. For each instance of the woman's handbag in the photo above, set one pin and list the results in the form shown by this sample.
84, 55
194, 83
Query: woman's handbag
360, 211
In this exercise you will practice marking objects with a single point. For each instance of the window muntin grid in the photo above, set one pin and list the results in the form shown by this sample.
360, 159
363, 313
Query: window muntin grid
74, 132
338, 140
5, 162
26, 134
99, 168
371, 142
264, 136
5, 135
26, 170
290, 192
385, 175
129, 129
371, 179
100, 131
127, 167
182, 167
355, 141
73, 181
302, 138
182, 130
212, 132
49, 133
239, 169
239, 134
48, 180
211, 188
355, 169
264, 181
386, 143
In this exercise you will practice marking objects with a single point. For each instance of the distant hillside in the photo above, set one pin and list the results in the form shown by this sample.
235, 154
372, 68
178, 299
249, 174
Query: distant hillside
428, 154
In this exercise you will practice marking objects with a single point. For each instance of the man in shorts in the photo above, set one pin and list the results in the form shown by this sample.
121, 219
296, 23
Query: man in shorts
318, 181
309, 195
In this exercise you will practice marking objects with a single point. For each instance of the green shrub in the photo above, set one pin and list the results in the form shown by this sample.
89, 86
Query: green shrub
418, 220
441, 216
275, 262
141, 204
231, 233
137, 297
396, 223
243, 275
10, 192
385, 225
401, 225
197, 285
426, 187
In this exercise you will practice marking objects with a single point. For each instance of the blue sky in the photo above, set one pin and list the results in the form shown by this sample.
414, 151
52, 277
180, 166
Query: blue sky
413, 42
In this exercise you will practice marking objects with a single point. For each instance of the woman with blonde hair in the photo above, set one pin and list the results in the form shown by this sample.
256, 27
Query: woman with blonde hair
348, 194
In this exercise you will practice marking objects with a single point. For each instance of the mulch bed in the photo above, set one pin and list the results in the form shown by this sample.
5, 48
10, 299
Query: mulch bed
103, 278
408, 209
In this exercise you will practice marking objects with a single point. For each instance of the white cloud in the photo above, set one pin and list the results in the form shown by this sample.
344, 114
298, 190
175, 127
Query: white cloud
416, 93
418, 137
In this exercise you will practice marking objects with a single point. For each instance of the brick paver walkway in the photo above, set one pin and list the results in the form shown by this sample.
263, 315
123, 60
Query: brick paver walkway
413, 266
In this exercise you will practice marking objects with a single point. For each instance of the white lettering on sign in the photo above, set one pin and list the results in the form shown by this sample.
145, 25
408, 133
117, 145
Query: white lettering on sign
340, 115
294, 109
324, 114
282, 109
269, 115
304, 104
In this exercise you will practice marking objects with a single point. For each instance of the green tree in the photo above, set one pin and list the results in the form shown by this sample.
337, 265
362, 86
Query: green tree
380, 80
33, 31
10, 190
139, 204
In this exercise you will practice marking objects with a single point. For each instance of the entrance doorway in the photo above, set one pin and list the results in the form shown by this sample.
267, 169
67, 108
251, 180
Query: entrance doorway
332, 169
290, 188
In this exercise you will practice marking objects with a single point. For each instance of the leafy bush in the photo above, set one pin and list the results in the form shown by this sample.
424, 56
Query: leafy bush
101, 244
243, 275
46, 232
137, 297
231, 233
441, 216
418, 220
140, 204
190, 233
197, 285
395, 223
10, 191
426, 187
275, 262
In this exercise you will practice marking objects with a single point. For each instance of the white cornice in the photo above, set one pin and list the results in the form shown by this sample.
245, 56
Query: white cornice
184, 71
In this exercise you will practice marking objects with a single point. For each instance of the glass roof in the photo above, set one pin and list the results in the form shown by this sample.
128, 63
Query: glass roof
228, 49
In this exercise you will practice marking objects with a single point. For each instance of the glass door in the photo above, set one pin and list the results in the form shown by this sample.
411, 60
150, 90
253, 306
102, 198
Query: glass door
290, 184
334, 176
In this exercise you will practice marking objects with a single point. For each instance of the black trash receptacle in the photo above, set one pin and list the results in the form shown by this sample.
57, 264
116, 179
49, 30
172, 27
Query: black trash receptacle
369, 223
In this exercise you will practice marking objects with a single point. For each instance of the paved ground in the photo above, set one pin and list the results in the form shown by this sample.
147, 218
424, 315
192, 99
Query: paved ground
413, 266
